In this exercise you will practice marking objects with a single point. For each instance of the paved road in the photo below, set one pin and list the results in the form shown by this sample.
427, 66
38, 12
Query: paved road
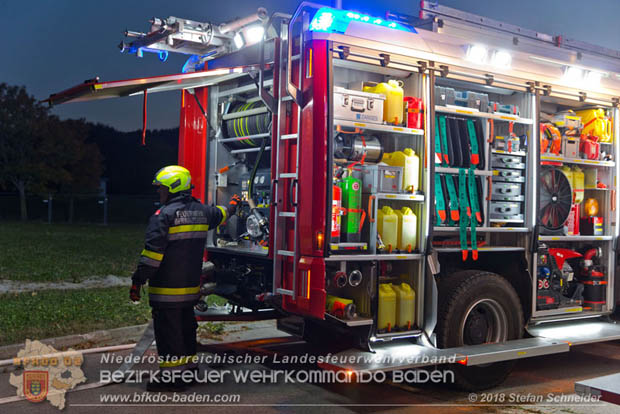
533, 379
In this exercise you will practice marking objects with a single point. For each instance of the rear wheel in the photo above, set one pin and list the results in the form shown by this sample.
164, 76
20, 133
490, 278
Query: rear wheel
477, 307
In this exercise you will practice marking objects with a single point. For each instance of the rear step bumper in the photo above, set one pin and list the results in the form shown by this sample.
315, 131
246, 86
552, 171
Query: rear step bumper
580, 332
398, 355
549, 338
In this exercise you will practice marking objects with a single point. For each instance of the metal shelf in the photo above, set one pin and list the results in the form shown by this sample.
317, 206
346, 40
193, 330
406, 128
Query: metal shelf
457, 110
507, 220
357, 321
482, 249
580, 161
359, 257
518, 153
399, 196
450, 170
574, 238
378, 127
446, 229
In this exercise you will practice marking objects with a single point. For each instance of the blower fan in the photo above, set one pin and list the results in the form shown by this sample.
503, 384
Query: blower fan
556, 197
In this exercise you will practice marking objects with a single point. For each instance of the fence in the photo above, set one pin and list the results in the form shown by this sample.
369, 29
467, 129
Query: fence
86, 208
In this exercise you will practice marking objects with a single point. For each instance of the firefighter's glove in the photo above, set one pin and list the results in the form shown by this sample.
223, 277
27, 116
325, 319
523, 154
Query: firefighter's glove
134, 293
235, 202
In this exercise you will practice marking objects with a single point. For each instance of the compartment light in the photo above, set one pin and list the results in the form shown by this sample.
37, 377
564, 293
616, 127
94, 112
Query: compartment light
573, 74
593, 79
239, 42
330, 20
477, 54
255, 34
501, 59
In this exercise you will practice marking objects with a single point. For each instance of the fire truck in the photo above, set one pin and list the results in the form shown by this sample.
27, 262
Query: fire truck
413, 186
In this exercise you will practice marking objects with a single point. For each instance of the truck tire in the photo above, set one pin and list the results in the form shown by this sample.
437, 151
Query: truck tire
478, 307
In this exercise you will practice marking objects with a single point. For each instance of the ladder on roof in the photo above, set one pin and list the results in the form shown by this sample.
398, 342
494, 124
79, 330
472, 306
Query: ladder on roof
286, 248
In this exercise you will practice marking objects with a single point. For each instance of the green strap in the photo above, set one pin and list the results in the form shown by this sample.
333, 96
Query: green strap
444, 140
464, 219
473, 197
453, 201
475, 212
438, 153
440, 203
473, 142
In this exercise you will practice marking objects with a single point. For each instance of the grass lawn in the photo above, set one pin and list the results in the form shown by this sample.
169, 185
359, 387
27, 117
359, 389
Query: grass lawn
62, 252
52, 313
35, 251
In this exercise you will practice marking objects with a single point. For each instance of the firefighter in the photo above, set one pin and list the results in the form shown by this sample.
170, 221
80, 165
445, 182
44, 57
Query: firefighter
171, 262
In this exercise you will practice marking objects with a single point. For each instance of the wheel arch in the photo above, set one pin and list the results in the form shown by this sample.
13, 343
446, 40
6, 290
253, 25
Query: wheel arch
511, 265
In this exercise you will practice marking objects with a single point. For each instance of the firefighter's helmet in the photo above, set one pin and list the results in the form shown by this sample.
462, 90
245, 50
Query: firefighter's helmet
175, 177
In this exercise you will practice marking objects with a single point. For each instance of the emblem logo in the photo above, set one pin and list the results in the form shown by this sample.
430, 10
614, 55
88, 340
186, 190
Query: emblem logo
35, 385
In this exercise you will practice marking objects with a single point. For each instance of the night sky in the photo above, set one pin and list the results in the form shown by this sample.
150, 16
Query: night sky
50, 45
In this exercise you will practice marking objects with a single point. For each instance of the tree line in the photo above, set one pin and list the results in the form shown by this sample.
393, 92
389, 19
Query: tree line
41, 154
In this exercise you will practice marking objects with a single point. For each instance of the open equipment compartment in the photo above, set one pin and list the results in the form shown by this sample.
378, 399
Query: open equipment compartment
486, 129
378, 193
577, 208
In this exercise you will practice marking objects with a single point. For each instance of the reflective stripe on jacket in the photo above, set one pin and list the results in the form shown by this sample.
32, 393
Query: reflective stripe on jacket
172, 257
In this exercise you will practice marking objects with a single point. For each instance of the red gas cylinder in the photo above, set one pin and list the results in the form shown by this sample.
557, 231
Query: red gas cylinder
336, 212
415, 112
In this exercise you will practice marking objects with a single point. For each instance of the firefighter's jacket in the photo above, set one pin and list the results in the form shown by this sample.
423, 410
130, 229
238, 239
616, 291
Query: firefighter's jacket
172, 257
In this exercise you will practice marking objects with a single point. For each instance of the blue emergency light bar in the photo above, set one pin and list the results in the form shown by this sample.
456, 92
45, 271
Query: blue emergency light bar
330, 20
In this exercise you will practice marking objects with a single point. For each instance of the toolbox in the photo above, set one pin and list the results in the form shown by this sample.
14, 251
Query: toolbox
469, 99
507, 161
566, 119
507, 192
505, 211
444, 96
512, 176
352, 105
508, 143
381, 179
570, 147
504, 108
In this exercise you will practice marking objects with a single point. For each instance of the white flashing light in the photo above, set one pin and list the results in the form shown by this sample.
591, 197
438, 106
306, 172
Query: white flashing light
593, 79
255, 34
239, 43
573, 75
501, 59
477, 54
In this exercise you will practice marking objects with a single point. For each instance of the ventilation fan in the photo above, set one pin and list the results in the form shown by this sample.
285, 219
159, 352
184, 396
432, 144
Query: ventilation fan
556, 196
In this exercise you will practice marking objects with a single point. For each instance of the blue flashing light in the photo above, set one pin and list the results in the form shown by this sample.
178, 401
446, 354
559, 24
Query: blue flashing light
330, 20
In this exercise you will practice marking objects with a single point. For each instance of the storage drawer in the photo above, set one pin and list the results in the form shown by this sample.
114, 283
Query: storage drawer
382, 179
506, 192
512, 176
505, 211
508, 161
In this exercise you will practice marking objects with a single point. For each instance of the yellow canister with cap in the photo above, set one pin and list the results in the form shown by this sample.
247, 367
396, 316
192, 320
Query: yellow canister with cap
410, 162
393, 106
405, 306
386, 316
387, 226
407, 229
